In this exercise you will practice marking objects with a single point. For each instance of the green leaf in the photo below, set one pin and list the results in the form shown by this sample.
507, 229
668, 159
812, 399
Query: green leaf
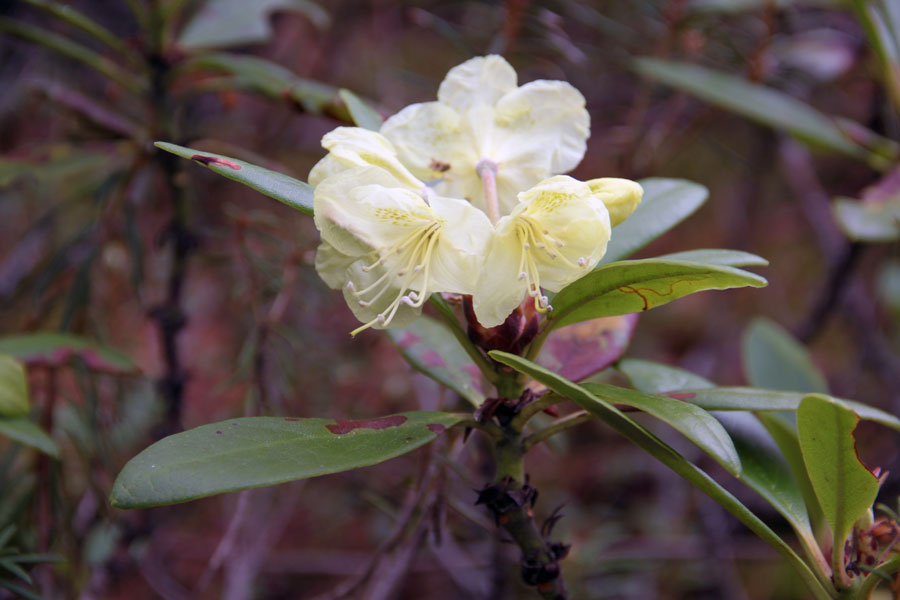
57, 349
768, 473
67, 13
290, 191
638, 285
782, 427
250, 452
13, 388
666, 455
846, 489
430, 348
764, 105
361, 113
266, 78
656, 378
725, 258
222, 23
868, 221
666, 203
17, 589
75, 51
580, 350
693, 422
754, 399
22, 430
14, 569
773, 359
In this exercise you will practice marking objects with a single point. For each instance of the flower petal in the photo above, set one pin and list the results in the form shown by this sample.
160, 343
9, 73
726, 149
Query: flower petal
368, 313
621, 196
459, 254
332, 265
432, 140
499, 289
366, 208
357, 147
480, 80
574, 223
542, 126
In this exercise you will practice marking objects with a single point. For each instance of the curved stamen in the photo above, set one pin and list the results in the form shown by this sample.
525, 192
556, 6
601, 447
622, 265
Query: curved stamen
412, 260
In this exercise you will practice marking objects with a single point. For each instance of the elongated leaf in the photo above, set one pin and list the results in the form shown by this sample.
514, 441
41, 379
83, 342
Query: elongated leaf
666, 203
361, 113
75, 51
725, 258
844, 486
639, 285
666, 455
733, 6
57, 349
691, 421
782, 427
250, 452
222, 23
22, 430
13, 388
266, 78
78, 19
773, 359
578, 351
293, 192
768, 473
764, 105
430, 349
747, 398
868, 222
656, 378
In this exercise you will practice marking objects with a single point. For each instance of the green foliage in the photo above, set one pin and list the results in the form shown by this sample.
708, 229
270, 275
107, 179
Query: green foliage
666, 203
222, 23
691, 421
655, 378
773, 359
763, 105
239, 454
845, 488
868, 221
639, 285
57, 349
14, 575
13, 388
427, 346
669, 457
293, 192
362, 114
23, 430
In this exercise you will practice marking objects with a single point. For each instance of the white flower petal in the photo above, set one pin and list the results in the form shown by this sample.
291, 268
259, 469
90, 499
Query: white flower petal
480, 80
499, 289
432, 140
351, 147
395, 314
365, 208
542, 125
459, 255
332, 265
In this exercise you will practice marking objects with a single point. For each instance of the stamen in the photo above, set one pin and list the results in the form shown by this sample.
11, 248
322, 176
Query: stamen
582, 261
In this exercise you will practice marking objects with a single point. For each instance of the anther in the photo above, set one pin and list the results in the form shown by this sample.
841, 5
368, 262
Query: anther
582, 261
523, 275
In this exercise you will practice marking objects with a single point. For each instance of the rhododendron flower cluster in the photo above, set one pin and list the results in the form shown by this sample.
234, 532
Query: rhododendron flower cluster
465, 196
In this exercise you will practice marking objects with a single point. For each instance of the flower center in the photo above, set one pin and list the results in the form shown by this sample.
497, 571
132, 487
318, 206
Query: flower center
537, 242
403, 263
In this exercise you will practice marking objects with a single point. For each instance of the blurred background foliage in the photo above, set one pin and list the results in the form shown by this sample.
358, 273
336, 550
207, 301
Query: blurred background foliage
169, 297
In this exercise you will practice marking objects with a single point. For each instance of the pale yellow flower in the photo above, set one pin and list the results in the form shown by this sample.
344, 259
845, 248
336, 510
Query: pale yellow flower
481, 117
389, 247
555, 235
